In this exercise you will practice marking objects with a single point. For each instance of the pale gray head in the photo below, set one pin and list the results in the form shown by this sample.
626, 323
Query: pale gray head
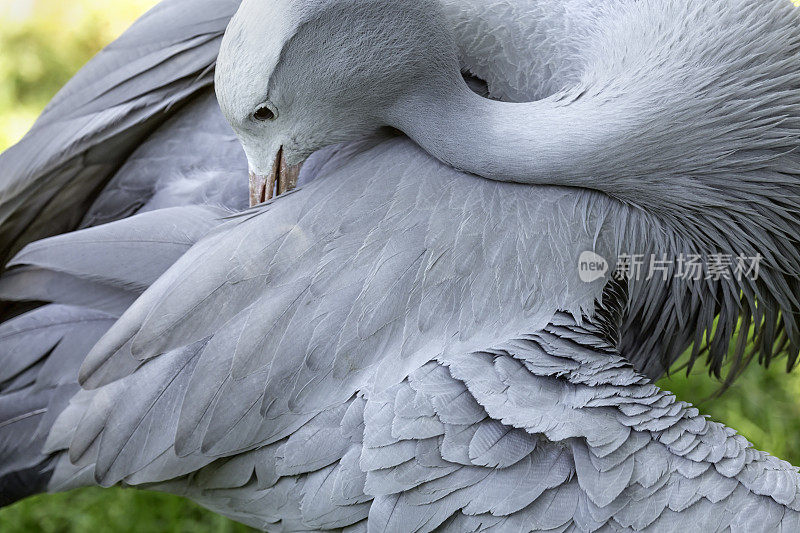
294, 76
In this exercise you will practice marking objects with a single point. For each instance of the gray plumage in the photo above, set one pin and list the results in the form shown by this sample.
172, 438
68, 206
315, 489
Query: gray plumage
343, 447
103, 114
397, 345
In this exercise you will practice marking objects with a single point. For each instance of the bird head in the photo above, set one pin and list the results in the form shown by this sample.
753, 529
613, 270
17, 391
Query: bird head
294, 76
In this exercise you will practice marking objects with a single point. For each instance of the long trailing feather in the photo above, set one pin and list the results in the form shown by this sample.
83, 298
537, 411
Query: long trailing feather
49, 178
39, 355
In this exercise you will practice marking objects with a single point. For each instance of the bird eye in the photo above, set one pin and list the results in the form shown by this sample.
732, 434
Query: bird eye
264, 113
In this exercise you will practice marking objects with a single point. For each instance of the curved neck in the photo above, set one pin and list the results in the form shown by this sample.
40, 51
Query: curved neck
551, 141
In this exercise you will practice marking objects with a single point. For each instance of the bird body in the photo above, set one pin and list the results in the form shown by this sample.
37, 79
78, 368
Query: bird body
399, 344
204, 401
115, 110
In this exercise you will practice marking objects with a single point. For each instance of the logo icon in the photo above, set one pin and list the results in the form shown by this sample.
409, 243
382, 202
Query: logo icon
591, 267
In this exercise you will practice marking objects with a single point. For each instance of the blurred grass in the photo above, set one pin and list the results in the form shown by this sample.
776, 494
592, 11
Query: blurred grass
763, 404
112, 511
42, 44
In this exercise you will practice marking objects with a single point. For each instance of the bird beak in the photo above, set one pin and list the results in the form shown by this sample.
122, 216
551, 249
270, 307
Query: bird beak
282, 178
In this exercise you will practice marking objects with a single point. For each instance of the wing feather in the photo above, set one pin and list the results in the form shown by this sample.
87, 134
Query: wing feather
96, 121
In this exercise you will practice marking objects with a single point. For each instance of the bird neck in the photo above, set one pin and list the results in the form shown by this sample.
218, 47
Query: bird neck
554, 141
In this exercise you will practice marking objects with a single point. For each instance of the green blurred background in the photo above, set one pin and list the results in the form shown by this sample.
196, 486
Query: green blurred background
42, 44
